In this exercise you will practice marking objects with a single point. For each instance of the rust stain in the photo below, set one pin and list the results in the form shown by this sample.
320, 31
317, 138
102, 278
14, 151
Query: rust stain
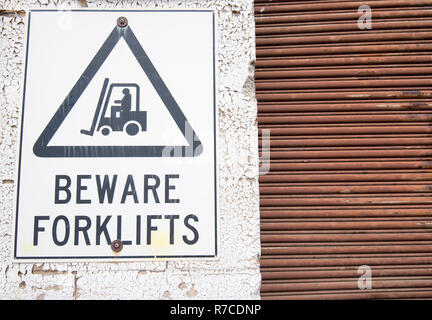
54, 287
11, 13
41, 296
192, 292
46, 272
83, 3
416, 105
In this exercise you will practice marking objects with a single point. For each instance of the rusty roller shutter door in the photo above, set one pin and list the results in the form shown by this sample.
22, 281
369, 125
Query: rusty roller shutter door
350, 115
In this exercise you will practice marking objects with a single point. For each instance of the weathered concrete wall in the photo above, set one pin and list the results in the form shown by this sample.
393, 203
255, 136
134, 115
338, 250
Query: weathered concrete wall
236, 274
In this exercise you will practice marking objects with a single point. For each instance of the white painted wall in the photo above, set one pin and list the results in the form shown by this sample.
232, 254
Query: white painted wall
236, 274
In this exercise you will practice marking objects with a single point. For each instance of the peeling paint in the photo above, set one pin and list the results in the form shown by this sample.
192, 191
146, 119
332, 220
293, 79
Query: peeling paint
235, 275
192, 292
40, 270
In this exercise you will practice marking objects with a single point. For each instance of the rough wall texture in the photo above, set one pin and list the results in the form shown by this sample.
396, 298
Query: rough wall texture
236, 274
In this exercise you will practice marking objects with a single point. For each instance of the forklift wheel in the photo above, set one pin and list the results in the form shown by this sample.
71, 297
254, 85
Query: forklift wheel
105, 131
132, 128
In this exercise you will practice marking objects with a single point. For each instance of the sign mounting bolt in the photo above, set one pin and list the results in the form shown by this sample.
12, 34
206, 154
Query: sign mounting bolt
117, 245
122, 22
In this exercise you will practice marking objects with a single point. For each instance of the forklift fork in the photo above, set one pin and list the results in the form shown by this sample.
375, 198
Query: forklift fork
97, 112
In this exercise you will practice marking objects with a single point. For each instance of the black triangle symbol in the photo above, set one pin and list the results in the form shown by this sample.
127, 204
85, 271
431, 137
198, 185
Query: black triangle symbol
194, 147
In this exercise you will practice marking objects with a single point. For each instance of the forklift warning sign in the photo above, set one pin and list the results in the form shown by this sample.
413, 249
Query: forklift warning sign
117, 152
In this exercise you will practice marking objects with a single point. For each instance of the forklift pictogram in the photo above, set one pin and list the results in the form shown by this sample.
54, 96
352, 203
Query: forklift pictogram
118, 115
114, 114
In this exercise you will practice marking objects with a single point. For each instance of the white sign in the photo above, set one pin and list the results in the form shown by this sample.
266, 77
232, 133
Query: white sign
117, 157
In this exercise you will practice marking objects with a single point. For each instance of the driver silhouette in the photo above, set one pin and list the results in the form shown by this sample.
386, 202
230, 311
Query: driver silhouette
125, 104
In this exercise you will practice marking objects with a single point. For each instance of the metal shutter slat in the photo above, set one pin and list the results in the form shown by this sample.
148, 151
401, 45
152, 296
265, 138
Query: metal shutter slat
349, 113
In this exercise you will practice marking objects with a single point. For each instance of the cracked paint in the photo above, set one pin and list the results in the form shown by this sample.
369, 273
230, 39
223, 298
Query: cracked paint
235, 275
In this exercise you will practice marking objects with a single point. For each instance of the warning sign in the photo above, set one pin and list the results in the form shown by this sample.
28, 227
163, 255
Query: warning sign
117, 156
